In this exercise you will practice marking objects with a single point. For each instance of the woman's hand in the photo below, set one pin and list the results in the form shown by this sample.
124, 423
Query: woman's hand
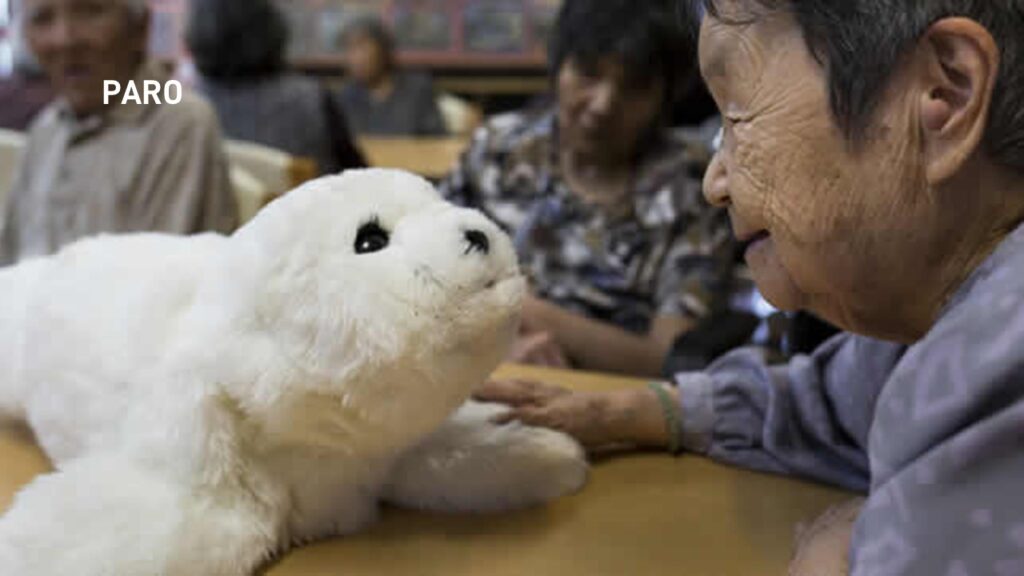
538, 349
535, 344
597, 420
594, 345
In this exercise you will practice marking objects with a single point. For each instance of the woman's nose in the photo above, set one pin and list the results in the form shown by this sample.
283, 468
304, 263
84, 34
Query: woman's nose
716, 182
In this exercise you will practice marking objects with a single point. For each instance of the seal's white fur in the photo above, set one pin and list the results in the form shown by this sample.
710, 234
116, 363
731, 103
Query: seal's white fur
210, 401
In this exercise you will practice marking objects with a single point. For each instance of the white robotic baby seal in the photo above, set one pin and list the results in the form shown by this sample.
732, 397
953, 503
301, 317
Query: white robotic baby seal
210, 401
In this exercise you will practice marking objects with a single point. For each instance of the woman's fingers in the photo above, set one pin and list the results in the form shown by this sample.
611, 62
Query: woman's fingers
528, 415
524, 346
505, 417
571, 414
552, 356
539, 349
516, 392
503, 392
548, 353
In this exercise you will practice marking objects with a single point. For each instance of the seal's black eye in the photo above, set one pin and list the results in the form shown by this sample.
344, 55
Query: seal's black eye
371, 238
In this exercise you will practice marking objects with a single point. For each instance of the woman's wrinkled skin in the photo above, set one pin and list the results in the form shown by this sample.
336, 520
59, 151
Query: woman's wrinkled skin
874, 232
873, 235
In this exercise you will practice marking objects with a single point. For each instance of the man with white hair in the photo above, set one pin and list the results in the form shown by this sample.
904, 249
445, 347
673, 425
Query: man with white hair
91, 167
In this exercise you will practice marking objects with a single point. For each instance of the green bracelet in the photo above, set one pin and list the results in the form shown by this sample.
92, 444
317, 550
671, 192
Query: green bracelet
671, 413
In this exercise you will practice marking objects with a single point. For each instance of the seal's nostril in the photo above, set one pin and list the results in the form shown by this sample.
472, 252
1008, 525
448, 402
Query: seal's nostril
478, 242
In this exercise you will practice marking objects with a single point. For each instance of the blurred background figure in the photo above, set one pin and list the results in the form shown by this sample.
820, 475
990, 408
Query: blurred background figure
378, 98
90, 167
25, 92
239, 51
604, 202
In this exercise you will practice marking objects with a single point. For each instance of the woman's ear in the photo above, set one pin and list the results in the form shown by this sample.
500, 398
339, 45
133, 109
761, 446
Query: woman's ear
958, 63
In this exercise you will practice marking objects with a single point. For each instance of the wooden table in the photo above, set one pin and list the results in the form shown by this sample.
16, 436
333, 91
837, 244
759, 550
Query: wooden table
640, 514
429, 157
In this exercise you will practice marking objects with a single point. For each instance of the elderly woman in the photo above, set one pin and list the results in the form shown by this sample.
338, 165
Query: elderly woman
379, 98
622, 251
94, 167
873, 164
238, 48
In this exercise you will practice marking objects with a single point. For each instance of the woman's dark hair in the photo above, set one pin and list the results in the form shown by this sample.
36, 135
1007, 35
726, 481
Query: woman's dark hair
231, 39
646, 35
374, 28
861, 42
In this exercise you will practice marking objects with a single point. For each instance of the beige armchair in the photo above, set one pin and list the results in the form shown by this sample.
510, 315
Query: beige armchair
12, 145
260, 174
461, 117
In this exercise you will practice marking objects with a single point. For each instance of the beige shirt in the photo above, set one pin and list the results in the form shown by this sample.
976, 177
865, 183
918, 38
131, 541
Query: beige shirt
131, 168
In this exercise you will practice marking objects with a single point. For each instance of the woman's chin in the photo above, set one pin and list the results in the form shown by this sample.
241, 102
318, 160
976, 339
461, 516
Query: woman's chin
773, 280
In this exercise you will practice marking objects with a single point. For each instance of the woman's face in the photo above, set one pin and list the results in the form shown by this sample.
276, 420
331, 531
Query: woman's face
364, 58
602, 112
833, 228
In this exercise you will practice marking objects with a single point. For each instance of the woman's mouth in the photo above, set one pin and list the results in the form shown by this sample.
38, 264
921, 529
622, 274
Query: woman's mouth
753, 243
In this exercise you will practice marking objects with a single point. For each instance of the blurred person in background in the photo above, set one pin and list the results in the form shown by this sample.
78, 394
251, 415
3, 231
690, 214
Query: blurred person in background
604, 202
91, 167
379, 98
239, 51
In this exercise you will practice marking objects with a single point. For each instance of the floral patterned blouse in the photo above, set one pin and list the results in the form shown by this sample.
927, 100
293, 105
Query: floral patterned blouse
671, 255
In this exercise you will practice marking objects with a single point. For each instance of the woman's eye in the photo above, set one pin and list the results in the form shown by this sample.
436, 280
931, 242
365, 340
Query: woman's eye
371, 238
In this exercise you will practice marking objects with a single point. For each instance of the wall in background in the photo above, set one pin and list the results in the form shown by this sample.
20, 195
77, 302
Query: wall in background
431, 33
491, 51
448, 34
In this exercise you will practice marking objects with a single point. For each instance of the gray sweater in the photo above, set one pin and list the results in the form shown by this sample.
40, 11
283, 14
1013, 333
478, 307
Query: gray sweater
934, 432
410, 110
288, 112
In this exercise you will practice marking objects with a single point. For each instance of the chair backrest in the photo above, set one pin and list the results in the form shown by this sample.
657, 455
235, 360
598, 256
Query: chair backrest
250, 193
12, 146
461, 118
274, 170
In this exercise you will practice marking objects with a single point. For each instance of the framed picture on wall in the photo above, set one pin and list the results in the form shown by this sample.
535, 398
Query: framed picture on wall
332, 22
317, 25
428, 33
498, 26
423, 25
